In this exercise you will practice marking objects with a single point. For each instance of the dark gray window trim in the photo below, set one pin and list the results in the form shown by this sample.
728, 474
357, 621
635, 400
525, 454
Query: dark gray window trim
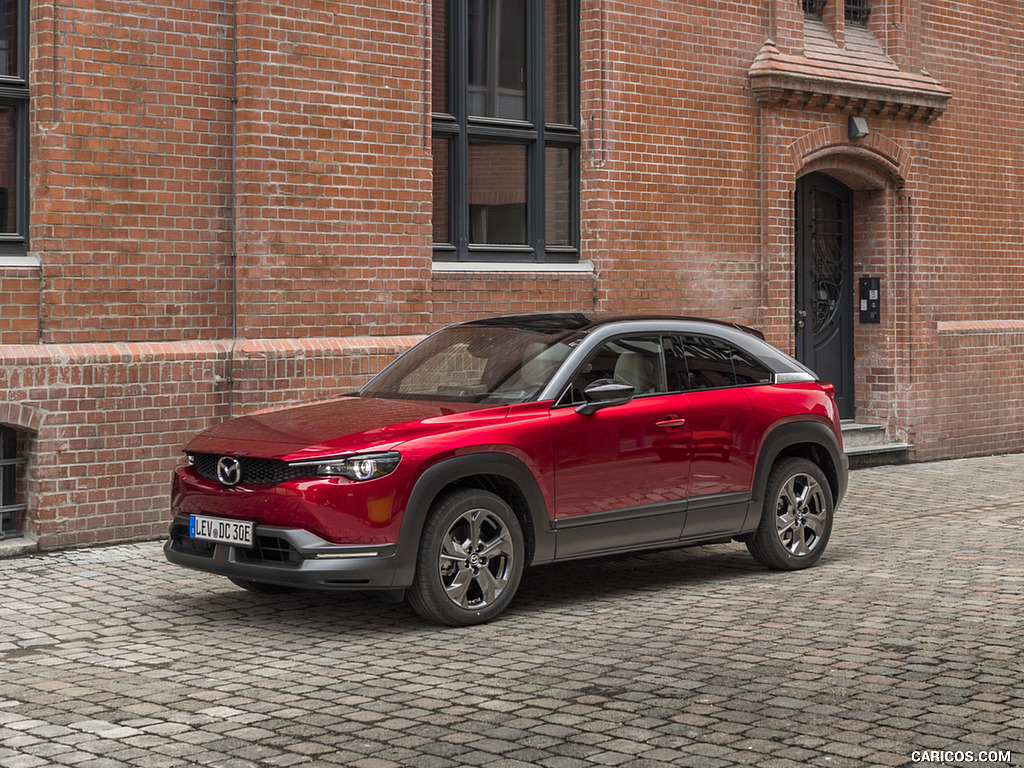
460, 129
14, 91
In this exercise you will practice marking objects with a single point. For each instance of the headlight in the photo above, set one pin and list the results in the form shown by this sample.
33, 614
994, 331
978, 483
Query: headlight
364, 467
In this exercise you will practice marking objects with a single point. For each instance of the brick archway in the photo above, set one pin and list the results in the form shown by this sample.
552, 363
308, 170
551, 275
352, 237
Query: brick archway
874, 162
22, 416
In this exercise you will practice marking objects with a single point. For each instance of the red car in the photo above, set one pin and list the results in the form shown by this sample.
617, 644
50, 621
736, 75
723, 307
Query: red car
514, 441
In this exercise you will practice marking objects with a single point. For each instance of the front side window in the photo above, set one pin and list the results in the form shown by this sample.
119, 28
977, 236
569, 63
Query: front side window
506, 132
633, 360
13, 126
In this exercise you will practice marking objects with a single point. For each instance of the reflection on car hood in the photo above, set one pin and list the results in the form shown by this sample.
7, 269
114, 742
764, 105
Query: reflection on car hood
334, 427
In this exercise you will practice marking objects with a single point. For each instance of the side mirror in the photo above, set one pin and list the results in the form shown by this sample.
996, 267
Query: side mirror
603, 393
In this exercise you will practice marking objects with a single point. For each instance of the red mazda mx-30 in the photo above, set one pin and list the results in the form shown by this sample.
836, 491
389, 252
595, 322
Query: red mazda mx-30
514, 441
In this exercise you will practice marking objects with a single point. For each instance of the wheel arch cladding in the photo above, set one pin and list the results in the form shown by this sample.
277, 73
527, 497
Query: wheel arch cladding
501, 474
811, 440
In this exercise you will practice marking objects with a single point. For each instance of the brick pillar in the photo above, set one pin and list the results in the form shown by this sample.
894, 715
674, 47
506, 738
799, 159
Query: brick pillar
786, 26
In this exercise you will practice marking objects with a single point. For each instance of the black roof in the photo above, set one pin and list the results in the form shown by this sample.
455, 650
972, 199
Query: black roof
559, 322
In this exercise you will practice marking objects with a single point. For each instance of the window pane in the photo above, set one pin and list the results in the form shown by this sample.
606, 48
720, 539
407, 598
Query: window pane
497, 194
440, 52
557, 196
857, 11
557, 61
9, 37
8, 168
497, 58
708, 362
712, 363
634, 361
440, 148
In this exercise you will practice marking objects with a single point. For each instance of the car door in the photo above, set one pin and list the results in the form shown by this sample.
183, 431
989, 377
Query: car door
621, 472
720, 416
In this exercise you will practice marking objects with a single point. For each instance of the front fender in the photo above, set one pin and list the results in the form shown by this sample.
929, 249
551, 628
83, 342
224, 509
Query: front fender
449, 472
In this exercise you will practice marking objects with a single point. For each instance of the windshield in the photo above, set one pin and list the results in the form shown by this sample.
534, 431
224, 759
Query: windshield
476, 363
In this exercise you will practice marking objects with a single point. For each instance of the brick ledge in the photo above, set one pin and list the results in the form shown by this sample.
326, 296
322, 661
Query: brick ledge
127, 352
974, 326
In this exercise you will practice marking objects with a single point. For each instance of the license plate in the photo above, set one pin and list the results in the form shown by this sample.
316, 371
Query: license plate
224, 531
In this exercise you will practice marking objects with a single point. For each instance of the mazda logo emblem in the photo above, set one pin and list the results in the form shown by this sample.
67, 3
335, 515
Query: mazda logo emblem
229, 470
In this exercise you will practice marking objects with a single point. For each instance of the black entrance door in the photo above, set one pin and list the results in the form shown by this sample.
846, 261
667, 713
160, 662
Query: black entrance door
824, 276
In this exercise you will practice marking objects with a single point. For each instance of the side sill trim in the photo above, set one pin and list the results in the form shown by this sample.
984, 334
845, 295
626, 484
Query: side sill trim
620, 515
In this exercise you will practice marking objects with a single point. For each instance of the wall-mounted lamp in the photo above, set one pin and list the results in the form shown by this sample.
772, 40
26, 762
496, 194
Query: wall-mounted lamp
857, 127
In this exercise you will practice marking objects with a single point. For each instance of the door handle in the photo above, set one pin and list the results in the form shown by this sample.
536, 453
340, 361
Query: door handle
671, 422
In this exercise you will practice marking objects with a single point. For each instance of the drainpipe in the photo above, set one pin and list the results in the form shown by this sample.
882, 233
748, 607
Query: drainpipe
233, 211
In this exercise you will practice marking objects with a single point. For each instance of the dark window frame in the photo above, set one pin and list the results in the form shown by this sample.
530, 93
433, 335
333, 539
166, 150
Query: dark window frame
857, 11
461, 130
854, 11
14, 93
10, 505
813, 7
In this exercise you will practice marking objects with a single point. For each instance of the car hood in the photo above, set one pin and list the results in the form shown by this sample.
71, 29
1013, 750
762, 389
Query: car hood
335, 427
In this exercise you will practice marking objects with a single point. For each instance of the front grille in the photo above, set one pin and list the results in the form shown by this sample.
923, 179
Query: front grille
254, 471
271, 549
268, 549
182, 542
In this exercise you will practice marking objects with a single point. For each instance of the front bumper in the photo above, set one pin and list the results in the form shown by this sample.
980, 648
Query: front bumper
290, 557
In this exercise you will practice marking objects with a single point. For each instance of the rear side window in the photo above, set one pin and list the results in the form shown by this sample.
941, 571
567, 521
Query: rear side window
713, 363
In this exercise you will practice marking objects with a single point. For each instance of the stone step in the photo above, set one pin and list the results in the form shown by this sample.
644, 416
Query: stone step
869, 445
18, 546
862, 435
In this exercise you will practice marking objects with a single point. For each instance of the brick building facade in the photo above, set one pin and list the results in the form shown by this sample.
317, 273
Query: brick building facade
224, 205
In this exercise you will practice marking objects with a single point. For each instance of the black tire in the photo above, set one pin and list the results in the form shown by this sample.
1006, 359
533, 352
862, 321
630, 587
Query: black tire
261, 587
796, 519
470, 559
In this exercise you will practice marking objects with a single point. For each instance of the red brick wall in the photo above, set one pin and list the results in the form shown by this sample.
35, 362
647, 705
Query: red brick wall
670, 174
130, 169
153, 193
459, 296
107, 421
334, 182
19, 305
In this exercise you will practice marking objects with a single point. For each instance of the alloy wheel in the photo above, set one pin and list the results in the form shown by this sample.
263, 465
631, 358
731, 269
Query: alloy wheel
801, 516
477, 559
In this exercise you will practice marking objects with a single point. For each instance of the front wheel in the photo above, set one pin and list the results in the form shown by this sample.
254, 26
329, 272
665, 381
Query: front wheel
796, 520
470, 559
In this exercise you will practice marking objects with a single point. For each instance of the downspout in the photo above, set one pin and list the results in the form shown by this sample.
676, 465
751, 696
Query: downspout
233, 211
762, 302
762, 265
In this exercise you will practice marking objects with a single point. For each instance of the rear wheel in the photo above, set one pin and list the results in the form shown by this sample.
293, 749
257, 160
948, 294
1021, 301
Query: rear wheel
470, 559
796, 520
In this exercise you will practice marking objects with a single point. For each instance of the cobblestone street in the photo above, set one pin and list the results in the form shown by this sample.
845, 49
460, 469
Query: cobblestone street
902, 647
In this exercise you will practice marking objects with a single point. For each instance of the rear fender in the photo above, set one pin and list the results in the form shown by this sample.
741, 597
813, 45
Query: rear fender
813, 440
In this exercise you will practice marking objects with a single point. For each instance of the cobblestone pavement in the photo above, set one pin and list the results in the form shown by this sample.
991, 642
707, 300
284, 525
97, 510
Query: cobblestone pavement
902, 647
